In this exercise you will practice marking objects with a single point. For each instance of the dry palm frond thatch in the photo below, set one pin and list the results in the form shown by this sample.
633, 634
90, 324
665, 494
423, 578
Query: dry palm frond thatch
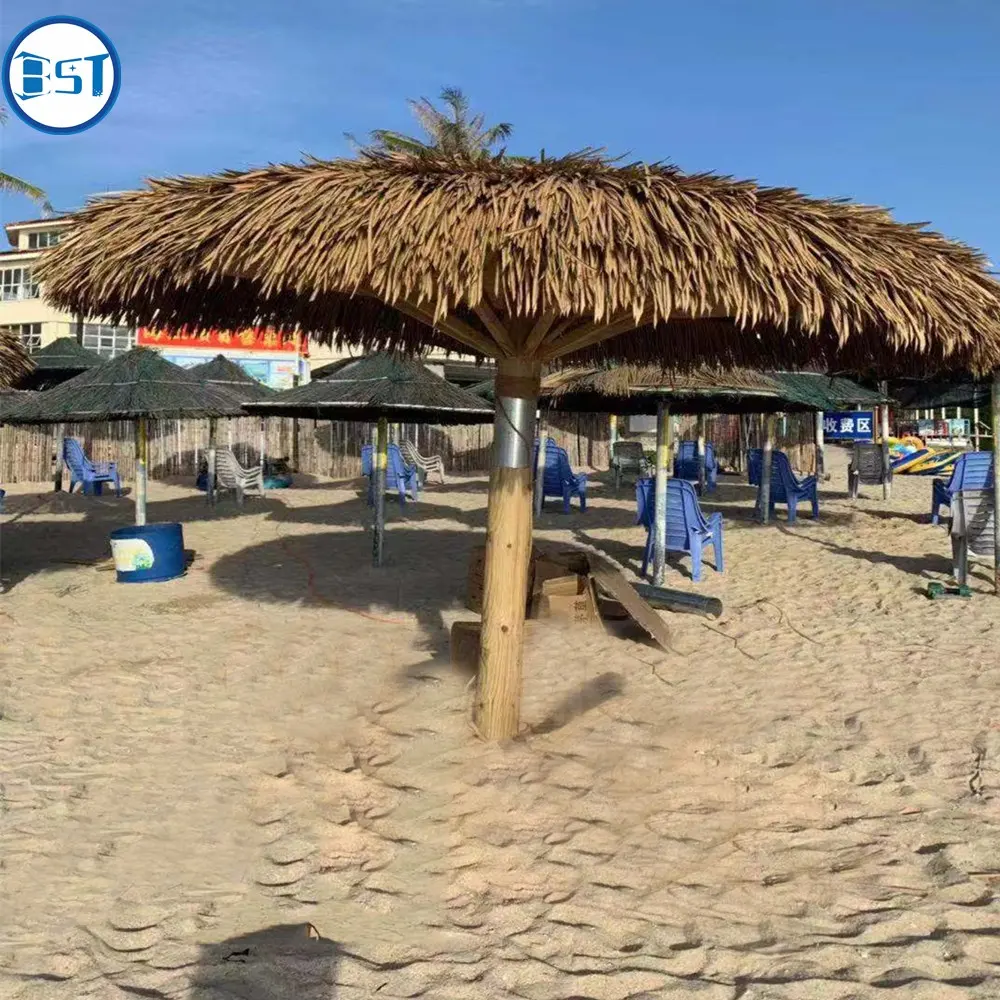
14, 360
560, 260
227, 373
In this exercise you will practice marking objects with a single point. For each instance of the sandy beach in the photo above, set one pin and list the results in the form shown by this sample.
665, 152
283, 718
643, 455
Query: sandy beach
260, 780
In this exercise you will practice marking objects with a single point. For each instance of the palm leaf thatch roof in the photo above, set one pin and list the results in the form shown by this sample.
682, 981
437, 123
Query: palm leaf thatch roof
572, 260
14, 360
379, 385
11, 398
137, 384
637, 389
227, 373
58, 361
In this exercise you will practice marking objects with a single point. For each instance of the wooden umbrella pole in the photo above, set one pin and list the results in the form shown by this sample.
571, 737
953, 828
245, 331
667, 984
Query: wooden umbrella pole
210, 484
612, 432
975, 427
820, 446
379, 466
660, 493
886, 482
539, 494
701, 453
996, 480
140, 471
765, 469
508, 549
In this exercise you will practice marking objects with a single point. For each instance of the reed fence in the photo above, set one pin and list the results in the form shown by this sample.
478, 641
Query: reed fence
318, 448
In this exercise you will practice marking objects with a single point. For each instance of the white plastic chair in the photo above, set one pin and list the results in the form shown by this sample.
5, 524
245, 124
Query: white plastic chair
230, 475
432, 463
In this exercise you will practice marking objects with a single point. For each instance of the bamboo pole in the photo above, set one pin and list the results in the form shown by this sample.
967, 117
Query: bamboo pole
612, 432
765, 469
210, 484
886, 482
539, 495
701, 453
663, 435
57, 479
996, 480
975, 427
820, 446
508, 550
380, 463
141, 451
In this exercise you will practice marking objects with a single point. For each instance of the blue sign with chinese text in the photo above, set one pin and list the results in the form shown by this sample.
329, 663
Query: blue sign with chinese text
852, 425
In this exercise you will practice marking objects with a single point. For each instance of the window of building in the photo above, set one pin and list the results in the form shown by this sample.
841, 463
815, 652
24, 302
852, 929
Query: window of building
46, 238
29, 333
16, 284
108, 341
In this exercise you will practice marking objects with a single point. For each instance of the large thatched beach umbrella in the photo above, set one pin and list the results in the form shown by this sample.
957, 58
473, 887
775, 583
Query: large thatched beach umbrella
382, 388
139, 386
531, 263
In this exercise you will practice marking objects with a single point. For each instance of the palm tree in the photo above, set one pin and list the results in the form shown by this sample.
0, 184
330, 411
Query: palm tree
451, 132
14, 185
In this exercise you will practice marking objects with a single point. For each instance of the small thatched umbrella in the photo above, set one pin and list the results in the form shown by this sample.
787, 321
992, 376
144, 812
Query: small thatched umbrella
224, 372
14, 360
635, 389
532, 263
63, 359
381, 388
139, 386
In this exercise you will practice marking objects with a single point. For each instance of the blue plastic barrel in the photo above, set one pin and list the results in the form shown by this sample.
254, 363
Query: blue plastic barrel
148, 554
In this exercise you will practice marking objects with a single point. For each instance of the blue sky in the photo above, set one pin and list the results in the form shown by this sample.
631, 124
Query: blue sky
896, 103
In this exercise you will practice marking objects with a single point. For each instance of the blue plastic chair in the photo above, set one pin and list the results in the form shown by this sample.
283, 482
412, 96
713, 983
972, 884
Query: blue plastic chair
91, 475
687, 528
755, 460
559, 479
398, 475
686, 463
973, 471
786, 489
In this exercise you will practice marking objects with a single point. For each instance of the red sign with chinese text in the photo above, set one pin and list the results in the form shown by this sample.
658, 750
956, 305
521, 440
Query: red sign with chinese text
221, 340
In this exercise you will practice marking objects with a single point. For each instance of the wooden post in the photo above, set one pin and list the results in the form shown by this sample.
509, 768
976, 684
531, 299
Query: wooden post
141, 448
612, 432
996, 480
660, 492
508, 549
743, 444
57, 479
380, 462
701, 453
765, 469
975, 427
210, 484
886, 483
820, 446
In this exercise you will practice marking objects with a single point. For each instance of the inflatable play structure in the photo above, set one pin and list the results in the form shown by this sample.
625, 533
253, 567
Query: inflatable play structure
911, 457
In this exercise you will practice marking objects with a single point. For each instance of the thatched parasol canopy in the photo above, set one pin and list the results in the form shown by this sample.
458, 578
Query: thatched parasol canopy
135, 385
61, 360
557, 259
224, 372
397, 388
634, 389
11, 398
14, 360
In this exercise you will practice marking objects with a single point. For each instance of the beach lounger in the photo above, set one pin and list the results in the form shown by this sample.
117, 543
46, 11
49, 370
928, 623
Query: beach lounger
973, 471
866, 468
426, 464
686, 463
971, 529
786, 489
230, 475
628, 459
688, 530
91, 475
559, 479
398, 475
